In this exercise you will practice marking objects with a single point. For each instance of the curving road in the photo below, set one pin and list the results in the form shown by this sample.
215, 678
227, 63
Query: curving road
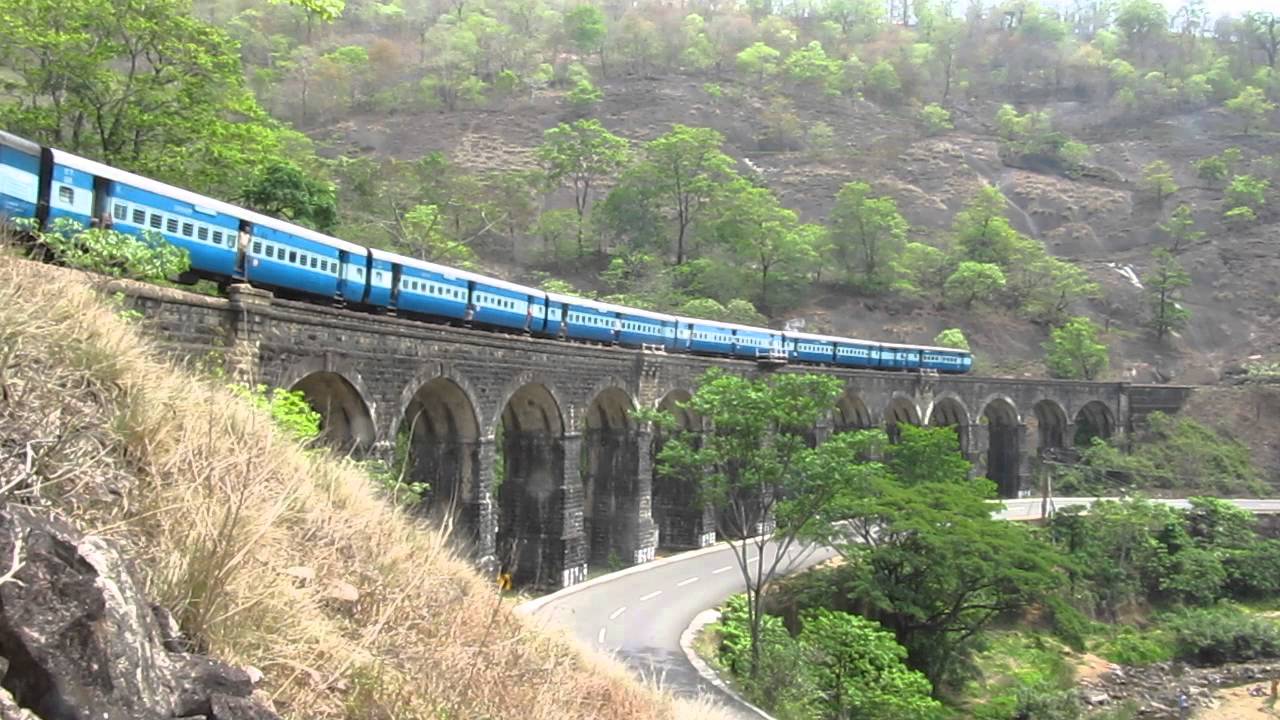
640, 613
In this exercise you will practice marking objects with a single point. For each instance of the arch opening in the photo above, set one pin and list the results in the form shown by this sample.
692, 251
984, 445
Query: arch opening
1051, 429
609, 466
346, 424
683, 520
529, 475
437, 445
1093, 420
1004, 434
851, 413
900, 411
949, 412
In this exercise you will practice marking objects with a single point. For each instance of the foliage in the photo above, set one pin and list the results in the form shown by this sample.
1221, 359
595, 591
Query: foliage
983, 233
1157, 179
1164, 285
952, 338
147, 256
1033, 134
289, 409
1251, 106
757, 464
867, 233
1129, 646
581, 154
1181, 228
974, 281
1222, 634
1246, 191
936, 119
1073, 351
1216, 168
283, 190
420, 233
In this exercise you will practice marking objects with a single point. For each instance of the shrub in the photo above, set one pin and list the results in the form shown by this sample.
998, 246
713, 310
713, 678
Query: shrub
1212, 636
1069, 624
147, 257
1132, 647
936, 119
1253, 572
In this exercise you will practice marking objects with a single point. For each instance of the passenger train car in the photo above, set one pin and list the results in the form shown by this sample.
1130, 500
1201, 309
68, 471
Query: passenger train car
227, 243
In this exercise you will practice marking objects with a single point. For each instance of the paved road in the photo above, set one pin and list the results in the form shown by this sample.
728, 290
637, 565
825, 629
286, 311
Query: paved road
640, 613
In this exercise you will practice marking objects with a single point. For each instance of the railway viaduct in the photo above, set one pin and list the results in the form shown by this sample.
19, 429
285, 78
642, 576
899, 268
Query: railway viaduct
528, 444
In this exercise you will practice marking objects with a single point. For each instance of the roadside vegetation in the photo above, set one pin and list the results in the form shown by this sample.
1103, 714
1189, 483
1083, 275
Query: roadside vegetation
936, 610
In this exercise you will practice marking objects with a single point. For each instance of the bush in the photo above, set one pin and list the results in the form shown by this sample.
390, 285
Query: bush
1069, 624
1132, 647
1212, 636
147, 257
288, 408
1253, 572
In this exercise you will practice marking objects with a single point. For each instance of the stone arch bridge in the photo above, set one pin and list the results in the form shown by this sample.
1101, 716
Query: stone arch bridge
529, 446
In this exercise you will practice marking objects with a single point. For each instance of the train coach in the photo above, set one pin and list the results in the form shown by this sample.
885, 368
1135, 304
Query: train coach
231, 244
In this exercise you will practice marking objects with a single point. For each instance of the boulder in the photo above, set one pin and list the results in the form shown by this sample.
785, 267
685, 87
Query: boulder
78, 641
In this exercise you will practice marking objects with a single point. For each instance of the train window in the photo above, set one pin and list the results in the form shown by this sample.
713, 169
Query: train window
257, 247
271, 251
293, 256
171, 226
139, 216
66, 195
120, 211
156, 221
314, 263
202, 233
188, 229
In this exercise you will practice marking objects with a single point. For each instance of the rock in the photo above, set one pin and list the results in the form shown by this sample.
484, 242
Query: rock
82, 643
1096, 699
225, 707
198, 678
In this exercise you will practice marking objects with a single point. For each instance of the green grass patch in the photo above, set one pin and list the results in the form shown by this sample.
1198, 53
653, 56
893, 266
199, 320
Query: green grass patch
1014, 662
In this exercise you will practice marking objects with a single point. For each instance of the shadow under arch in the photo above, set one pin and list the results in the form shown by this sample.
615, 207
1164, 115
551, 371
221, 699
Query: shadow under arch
609, 467
851, 413
346, 423
948, 411
1051, 427
683, 520
1093, 420
529, 475
900, 410
1004, 445
437, 444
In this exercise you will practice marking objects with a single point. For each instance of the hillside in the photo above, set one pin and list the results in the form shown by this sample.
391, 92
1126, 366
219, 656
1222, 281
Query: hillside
267, 555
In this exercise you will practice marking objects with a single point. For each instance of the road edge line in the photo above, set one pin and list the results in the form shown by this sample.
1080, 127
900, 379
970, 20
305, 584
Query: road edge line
701, 620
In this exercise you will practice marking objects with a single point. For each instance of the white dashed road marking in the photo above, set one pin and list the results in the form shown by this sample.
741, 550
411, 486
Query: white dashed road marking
600, 637
682, 583
650, 596
614, 615
726, 568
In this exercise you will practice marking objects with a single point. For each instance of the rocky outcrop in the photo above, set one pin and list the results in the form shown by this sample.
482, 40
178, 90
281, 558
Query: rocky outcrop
1155, 688
79, 641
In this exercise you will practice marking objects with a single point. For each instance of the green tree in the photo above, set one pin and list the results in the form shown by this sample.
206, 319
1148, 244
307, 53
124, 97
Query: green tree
883, 82
322, 10
1251, 106
1073, 351
867, 233
1263, 29
580, 154
982, 231
936, 119
1157, 179
759, 60
682, 171
1246, 191
927, 561
1164, 285
1181, 228
974, 281
952, 338
420, 233
767, 237
756, 464
282, 189
810, 67
585, 28
857, 668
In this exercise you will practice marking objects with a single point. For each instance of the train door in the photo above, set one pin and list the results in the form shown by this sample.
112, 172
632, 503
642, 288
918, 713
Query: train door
397, 274
243, 238
343, 260
101, 203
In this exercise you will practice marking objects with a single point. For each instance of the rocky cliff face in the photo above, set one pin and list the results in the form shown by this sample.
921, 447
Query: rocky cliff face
78, 640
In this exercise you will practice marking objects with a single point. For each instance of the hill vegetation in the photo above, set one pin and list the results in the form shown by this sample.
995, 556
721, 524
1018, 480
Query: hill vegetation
268, 555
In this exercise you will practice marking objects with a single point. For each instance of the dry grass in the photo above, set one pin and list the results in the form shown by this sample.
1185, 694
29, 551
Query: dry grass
269, 556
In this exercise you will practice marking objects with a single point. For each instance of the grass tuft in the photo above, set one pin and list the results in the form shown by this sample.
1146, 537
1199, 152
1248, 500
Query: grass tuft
269, 556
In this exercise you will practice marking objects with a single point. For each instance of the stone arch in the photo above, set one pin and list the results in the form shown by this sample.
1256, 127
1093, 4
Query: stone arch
1004, 444
1051, 427
609, 464
346, 418
437, 441
851, 413
683, 521
1093, 420
529, 472
901, 409
948, 410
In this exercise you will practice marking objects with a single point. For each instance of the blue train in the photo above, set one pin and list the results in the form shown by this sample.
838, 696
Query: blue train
230, 244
